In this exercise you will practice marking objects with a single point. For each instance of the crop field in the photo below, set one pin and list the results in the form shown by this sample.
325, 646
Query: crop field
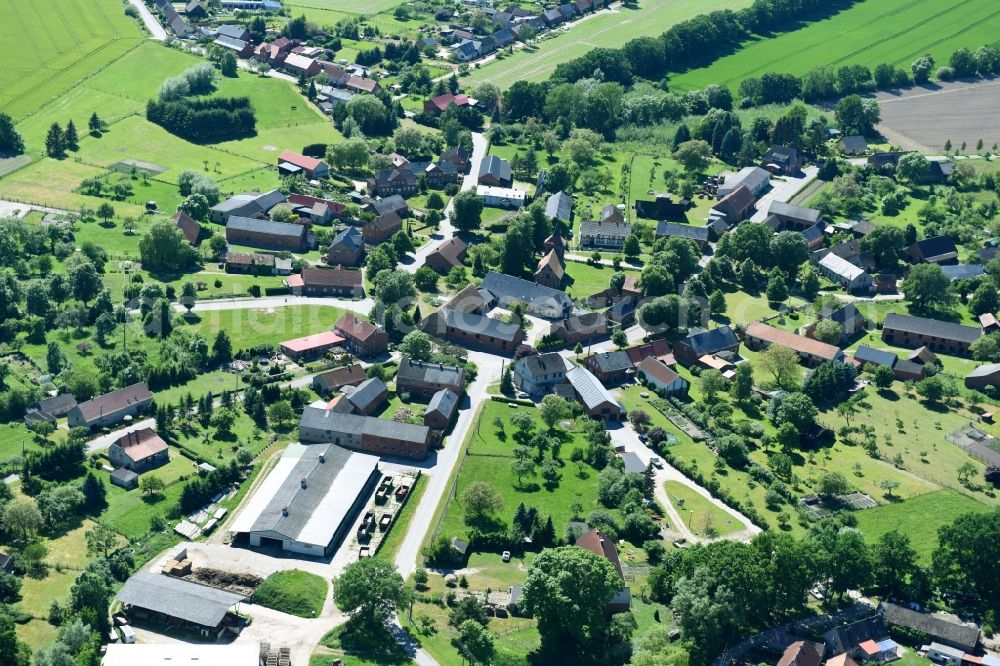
118, 95
605, 29
858, 35
50, 45
955, 111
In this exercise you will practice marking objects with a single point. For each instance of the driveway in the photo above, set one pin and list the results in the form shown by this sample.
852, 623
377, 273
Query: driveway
783, 189
104, 441
624, 435
156, 30
446, 231
490, 368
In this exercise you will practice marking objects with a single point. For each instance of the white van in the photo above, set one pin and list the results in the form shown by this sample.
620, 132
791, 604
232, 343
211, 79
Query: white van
128, 633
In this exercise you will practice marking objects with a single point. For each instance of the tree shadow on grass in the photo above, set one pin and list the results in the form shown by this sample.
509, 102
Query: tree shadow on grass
374, 643
888, 394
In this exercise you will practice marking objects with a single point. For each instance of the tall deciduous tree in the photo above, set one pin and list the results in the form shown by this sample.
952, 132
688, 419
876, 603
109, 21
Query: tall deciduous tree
567, 589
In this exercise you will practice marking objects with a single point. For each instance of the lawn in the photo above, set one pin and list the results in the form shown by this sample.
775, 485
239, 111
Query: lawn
294, 592
701, 516
606, 29
130, 513
50, 46
265, 326
67, 556
857, 35
489, 459
586, 279
919, 518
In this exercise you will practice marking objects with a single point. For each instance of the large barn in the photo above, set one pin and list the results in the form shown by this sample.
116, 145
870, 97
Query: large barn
307, 503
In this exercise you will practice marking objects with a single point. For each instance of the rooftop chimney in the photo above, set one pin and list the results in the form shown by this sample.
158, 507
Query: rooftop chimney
303, 483
284, 511
322, 459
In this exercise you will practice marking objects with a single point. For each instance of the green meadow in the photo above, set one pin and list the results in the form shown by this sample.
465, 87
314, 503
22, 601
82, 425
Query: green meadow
51, 45
869, 33
606, 29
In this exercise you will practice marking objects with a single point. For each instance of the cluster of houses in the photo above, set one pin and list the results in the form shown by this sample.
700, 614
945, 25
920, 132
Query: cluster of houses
509, 25
404, 178
740, 197
869, 641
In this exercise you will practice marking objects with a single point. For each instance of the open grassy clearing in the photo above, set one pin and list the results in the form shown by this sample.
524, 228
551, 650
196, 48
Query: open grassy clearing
701, 516
294, 592
489, 459
605, 29
252, 327
857, 35
69, 551
919, 518
118, 95
347, 6
587, 279
51, 45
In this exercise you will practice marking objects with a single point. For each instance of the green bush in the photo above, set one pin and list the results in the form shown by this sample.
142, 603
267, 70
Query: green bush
294, 592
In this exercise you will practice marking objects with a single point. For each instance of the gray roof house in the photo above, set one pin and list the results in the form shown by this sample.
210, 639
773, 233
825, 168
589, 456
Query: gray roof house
364, 433
368, 395
952, 634
495, 171
246, 205
539, 300
559, 206
441, 409
790, 215
753, 178
50, 409
536, 375
633, 463
609, 234
596, 400
699, 235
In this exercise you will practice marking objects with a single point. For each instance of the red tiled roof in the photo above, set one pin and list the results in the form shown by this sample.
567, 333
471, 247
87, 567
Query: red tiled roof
347, 375
658, 349
657, 370
325, 339
451, 251
113, 402
188, 226
334, 277
355, 327
797, 343
141, 444
442, 101
361, 83
602, 546
299, 160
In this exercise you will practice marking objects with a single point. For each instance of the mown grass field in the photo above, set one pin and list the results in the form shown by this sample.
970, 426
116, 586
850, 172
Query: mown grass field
250, 328
50, 45
919, 518
608, 29
871, 32
701, 516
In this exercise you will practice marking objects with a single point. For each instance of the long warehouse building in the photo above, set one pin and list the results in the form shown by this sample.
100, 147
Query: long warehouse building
309, 501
